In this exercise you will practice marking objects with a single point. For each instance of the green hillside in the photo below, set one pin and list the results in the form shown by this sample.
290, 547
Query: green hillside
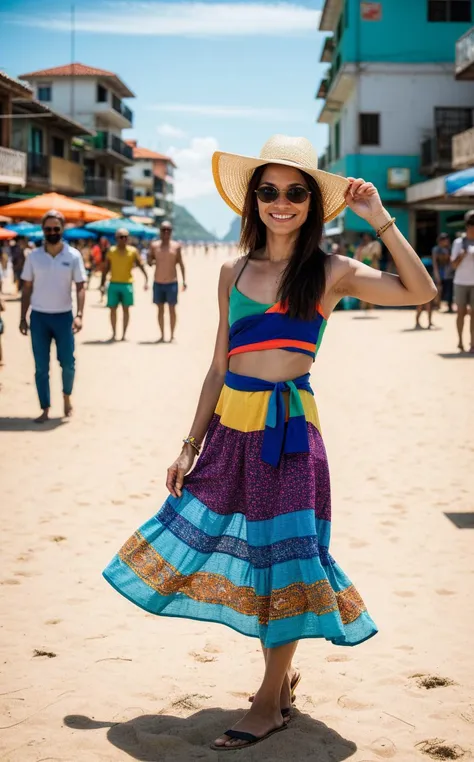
233, 236
187, 228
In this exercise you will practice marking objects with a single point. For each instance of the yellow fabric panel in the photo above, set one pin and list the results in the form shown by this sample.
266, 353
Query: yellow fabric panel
246, 411
122, 264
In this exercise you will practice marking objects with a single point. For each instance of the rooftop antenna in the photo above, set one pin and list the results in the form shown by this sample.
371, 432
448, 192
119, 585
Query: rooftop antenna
73, 56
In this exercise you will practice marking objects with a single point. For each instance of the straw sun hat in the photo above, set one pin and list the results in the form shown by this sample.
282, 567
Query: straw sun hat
232, 172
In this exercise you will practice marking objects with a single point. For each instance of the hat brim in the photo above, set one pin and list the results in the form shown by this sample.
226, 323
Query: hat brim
232, 173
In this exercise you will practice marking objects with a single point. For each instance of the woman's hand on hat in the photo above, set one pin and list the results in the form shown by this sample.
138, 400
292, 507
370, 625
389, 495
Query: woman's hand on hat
364, 200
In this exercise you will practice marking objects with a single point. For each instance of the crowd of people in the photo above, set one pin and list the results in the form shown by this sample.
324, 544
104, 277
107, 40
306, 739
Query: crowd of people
451, 265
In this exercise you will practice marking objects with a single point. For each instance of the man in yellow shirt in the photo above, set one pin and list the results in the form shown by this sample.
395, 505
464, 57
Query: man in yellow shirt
121, 259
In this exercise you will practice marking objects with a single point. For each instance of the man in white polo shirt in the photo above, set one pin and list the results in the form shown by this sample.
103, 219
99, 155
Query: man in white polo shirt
48, 275
462, 257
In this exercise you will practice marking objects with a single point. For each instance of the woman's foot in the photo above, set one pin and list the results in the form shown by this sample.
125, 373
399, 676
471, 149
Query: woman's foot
259, 721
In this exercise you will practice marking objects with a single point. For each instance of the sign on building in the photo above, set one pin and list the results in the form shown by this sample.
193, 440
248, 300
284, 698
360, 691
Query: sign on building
371, 11
398, 178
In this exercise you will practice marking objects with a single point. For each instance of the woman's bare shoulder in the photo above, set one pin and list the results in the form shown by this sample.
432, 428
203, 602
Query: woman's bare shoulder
338, 267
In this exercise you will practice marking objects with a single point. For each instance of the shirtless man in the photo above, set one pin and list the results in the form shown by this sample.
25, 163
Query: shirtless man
166, 254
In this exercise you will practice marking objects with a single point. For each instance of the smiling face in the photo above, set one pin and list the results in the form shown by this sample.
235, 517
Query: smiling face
281, 216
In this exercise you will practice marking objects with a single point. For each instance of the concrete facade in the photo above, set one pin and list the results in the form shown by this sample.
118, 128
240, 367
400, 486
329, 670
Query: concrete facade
400, 67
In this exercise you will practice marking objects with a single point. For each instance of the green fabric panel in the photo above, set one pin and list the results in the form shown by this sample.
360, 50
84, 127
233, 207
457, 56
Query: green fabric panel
241, 306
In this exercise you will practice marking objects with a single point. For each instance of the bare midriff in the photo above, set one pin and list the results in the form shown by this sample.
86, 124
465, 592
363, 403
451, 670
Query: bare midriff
166, 259
271, 364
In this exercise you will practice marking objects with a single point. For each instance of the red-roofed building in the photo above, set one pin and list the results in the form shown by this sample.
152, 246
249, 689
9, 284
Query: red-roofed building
152, 178
94, 98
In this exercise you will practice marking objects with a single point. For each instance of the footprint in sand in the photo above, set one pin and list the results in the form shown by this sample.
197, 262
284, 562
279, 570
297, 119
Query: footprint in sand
349, 703
358, 544
53, 621
10, 582
404, 648
442, 591
189, 701
202, 657
383, 747
404, 593
135, 497
57, 538
118, 502
338, 658
431, 681
438, 748
210, 648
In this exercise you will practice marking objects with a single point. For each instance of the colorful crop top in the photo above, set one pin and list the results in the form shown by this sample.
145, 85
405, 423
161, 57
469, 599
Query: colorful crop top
255, 326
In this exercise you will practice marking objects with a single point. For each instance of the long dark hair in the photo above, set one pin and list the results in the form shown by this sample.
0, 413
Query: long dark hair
303, 281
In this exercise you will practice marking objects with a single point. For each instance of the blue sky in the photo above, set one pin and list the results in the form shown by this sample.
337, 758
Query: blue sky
211, 74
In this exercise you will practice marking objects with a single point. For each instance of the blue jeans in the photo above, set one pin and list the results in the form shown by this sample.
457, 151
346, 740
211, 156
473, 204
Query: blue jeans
44, 328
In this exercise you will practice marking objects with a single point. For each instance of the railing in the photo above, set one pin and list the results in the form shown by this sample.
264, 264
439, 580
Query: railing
38, 166
323, 89
463, 149
107, 141
465, 51
12, 167
121, 108
66, 175
436, 155
101, 187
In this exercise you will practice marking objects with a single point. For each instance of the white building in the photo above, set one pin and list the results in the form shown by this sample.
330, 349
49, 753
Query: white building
93, 97
152, 178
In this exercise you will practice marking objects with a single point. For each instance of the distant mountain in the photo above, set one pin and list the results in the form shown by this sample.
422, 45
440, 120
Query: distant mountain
187, 228
233, 236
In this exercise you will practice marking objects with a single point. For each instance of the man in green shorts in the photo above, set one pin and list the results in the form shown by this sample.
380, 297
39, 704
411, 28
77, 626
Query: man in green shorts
121, 259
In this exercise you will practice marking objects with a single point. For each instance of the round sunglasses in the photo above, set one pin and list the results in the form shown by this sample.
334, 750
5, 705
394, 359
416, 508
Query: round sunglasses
296, 194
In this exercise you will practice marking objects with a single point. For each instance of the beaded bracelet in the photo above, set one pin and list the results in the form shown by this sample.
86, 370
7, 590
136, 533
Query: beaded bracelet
192, 441
385, 227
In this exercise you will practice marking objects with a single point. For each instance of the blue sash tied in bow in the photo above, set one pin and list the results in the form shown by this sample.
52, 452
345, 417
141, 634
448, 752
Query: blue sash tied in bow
279, 436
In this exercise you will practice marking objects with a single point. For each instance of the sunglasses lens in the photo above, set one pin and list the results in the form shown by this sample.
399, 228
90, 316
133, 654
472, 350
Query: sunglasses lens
52, 230
297, 194
267, 194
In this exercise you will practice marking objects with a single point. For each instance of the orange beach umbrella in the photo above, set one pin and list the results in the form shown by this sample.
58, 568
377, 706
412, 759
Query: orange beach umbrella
73, 210
5, 235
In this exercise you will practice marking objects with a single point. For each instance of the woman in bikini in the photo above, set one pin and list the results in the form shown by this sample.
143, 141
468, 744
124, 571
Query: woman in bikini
243, 540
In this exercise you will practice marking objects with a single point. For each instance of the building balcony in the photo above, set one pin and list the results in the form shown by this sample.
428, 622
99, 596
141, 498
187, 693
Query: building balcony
436, 155
105, 190
340, 82
37, 169
114, 113
330, 14
107, 142
12, 167
328, 50
463, 149
66, 176
465, 56
120, 108
323, 89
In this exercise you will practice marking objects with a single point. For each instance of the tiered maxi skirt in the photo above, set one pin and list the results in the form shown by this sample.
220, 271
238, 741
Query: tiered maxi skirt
247, 543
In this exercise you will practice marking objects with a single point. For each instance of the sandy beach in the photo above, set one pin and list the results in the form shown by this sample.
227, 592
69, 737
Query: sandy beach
87, 677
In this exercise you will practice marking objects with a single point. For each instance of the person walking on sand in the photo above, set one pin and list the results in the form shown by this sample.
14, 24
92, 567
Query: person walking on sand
243, 540
443, 272
121, 259
166, 255
48, 274
462, 258
369, 252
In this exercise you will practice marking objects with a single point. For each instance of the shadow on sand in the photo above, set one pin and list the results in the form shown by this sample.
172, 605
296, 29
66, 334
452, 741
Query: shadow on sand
456, 355
175, 739
28, 424
461, 520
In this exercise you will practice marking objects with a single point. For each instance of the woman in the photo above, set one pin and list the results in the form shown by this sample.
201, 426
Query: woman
244, 539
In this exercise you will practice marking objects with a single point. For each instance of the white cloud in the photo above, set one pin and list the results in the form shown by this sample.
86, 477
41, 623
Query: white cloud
230, 112
191, 19
168, 131
193, 178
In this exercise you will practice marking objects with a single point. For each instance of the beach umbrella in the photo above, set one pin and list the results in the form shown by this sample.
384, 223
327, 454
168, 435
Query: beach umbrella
73, 210
23, 228
74, 234
110, 227
5, 234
